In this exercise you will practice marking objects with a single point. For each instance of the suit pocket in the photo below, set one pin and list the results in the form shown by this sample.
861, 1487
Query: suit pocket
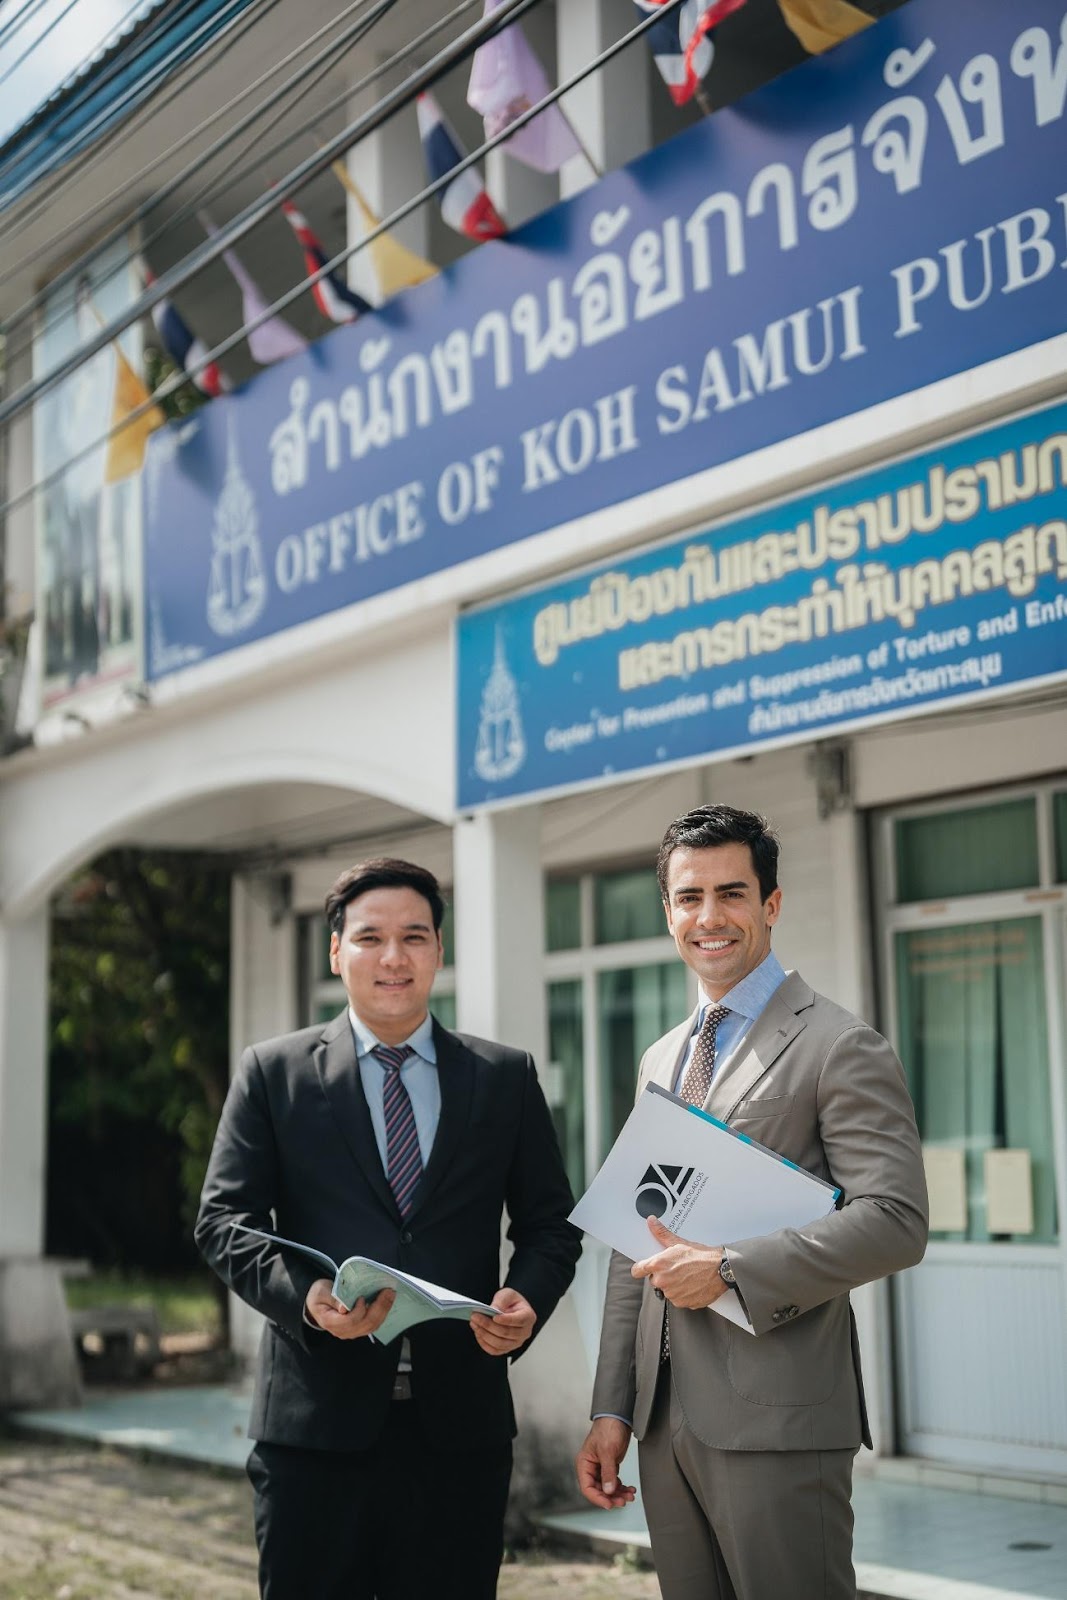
798, 1365
773, 1105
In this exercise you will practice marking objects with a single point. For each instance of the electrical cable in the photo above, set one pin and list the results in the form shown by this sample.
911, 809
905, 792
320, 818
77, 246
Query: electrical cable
107, 147
108, 143
233, 231
209, 28
330, 55
19, 20
412, 86
56, 20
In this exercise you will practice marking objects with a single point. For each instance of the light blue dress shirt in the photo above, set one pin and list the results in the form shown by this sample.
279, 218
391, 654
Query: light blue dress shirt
418, 1075
745, 1001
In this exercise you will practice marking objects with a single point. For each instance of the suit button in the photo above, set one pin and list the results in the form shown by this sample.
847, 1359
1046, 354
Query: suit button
776, 1316
405, 1237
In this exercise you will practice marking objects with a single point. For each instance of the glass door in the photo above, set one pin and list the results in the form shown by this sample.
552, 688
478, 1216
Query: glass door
975, 974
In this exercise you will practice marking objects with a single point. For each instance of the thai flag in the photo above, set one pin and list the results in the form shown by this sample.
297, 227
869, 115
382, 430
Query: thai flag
331, 294
464, 203
681, 42
184, 349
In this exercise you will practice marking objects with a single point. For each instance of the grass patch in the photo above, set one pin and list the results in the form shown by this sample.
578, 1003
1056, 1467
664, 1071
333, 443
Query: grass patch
183, 1305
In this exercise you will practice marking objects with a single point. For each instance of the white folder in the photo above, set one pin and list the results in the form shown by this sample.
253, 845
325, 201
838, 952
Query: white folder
702, 1179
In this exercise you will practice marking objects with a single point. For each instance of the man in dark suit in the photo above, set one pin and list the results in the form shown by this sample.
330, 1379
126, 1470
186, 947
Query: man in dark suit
747, 1443
381, 1471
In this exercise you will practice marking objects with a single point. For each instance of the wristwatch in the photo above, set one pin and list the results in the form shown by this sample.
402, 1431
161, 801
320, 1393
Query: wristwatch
726, 1271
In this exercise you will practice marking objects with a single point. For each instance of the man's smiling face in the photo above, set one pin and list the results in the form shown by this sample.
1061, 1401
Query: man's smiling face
715, 915
387, 956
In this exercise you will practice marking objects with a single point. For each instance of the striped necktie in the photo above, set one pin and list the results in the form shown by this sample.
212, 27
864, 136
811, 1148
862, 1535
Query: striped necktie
403, 1159
695, 1086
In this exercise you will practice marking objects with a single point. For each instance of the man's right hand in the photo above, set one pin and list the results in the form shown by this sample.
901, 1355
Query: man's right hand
598, 1461
330, 1315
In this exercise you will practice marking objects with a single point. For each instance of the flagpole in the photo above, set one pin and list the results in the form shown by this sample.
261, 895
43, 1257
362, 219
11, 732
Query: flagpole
579, 141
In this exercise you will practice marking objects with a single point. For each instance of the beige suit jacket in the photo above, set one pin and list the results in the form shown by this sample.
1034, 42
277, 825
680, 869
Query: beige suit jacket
812, 1082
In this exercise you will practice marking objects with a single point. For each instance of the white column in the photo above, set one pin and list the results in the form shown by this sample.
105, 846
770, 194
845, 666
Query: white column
263, 1001
23, 1083
388, 166
37, 1362
500, 928
610, 109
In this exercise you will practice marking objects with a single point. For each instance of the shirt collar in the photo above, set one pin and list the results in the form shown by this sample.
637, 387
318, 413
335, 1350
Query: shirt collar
420, 1040
749, 997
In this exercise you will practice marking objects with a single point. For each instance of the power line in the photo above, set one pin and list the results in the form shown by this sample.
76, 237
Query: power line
56, 20
19, 20
412, 86
233, 231
330, 55
208, 28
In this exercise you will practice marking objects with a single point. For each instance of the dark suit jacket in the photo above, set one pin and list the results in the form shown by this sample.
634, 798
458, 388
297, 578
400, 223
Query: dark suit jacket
296, 1138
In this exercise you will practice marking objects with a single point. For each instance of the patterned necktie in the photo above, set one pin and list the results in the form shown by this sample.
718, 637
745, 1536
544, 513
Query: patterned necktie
695, 1086
698, 1073
403, 1159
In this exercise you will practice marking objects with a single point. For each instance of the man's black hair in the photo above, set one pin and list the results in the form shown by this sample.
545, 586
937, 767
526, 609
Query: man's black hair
710, 826
384, 872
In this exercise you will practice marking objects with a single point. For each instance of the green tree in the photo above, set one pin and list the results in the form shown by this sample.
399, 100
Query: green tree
139, 1053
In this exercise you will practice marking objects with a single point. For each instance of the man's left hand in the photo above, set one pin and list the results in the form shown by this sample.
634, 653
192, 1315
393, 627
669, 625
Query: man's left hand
500, 1335
685, 1273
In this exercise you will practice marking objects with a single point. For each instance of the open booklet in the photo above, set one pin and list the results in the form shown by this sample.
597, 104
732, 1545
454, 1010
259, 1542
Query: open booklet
702, 1179
360, 1278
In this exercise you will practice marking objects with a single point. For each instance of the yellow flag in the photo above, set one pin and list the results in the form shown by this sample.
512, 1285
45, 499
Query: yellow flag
125, 449
820, 24
395, 266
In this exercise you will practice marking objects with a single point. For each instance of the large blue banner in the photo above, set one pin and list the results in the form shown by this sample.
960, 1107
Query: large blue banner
941, 577
879, 218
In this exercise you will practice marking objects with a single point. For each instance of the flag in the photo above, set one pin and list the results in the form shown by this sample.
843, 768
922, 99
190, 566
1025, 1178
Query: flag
126, 447
127, 441
331, 294
274, 339
395, 266
183, 347
507, 79
820, 24
465, 205
681, 42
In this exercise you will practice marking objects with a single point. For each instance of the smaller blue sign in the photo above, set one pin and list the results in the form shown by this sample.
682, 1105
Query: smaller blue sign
940, 578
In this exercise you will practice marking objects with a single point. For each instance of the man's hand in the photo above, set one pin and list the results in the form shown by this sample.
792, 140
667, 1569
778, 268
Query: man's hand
500, 1335
597, 1464
330, 1315
685, 1273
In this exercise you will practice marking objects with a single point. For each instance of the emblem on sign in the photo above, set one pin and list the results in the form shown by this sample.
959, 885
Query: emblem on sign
501, 747
237, 589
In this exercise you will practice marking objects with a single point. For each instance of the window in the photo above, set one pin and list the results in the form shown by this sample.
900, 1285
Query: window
614, 985
982, 850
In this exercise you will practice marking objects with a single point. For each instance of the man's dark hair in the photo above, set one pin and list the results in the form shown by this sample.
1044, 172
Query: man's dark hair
709, 826
384, 872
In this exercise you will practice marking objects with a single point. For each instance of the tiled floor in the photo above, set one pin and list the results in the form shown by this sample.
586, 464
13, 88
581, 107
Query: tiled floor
914, 1539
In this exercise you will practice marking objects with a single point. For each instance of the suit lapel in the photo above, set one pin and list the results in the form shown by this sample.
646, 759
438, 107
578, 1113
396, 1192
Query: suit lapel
455, 1073
776, 1026
669, 1051
338, 1069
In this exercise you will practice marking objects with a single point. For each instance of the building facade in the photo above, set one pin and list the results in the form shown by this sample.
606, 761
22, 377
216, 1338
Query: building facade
482, 580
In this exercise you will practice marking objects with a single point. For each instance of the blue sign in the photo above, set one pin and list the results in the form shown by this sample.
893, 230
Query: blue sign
879, 218
941, 577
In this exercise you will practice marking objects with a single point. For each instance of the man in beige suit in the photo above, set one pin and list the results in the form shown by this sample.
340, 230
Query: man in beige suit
747, 1443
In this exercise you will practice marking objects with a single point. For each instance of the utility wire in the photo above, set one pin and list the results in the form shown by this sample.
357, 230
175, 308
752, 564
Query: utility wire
106, 145
412, 86
233, 231
19, 20
219, 184
56, 20
208, 28
333, 53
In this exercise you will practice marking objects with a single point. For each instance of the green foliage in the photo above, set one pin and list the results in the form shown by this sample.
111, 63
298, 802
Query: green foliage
157, 367
185, 1304
139, 1050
